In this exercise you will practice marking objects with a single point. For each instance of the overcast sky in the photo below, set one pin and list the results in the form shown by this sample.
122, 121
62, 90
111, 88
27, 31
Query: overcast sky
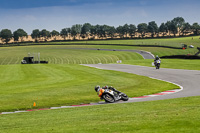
59, 14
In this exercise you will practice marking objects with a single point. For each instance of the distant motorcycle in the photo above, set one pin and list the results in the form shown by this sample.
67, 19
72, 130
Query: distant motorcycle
157, 64
111, 96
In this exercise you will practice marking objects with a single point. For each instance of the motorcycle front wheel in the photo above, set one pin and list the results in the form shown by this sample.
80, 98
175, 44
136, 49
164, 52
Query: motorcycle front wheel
124, 97
157, 66
108, 98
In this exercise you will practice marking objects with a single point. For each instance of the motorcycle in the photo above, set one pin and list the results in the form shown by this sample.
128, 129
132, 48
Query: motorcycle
111, 96
157, 64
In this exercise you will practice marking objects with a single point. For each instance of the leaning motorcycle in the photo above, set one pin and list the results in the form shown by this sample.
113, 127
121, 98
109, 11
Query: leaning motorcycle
111, 96
157, 64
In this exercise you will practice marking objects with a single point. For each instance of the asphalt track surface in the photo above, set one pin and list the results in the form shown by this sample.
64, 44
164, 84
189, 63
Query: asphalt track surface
188, 79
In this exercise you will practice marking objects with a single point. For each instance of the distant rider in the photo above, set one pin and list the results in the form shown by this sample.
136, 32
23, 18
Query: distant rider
156, 58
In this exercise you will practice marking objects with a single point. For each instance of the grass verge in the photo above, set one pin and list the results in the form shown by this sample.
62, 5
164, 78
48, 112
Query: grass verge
169, 116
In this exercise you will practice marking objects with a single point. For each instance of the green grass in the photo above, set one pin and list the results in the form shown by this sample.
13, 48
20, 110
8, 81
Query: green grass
63, 82
63, 55
56, 85
154, 50
165, 116
45, 83
174, 42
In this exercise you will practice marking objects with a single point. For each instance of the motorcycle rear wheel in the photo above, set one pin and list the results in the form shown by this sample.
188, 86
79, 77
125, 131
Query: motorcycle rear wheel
108, 98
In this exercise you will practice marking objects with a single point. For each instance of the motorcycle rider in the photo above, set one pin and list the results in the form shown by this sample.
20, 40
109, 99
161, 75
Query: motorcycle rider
110, 94
100, 90
156, 58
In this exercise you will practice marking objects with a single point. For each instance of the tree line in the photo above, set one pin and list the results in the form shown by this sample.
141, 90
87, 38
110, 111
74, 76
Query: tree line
88, 31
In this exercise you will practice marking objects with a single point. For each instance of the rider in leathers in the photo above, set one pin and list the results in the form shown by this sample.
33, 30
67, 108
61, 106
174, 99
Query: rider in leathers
100, 90
156, 58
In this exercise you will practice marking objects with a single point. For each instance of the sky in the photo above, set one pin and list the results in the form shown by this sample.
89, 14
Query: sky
59, 14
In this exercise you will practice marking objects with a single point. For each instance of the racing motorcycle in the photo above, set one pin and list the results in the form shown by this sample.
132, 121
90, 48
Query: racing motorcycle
112, 96
157, 64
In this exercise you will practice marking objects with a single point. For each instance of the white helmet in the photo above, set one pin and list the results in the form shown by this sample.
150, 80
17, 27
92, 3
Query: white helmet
96, 88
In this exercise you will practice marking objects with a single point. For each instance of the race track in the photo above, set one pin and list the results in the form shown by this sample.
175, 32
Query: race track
188, 79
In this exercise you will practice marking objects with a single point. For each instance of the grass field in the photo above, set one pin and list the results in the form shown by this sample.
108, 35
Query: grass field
56, 85
64, 55
64, 82
45, 83
174, 42
168, 116
154, 50
134, 44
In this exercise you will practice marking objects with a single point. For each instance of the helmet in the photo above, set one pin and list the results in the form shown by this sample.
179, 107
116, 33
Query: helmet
96, 88
156, 55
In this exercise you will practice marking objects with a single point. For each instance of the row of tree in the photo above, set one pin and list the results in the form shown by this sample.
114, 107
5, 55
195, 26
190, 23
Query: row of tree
175, 26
